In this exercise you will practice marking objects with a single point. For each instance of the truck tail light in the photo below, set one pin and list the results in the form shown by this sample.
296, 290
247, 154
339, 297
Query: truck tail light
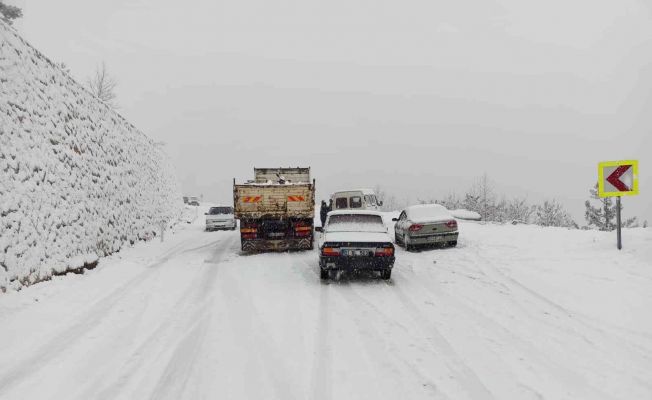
302, 229
451, 224
249, 231
330, 251
415, 227
384, 252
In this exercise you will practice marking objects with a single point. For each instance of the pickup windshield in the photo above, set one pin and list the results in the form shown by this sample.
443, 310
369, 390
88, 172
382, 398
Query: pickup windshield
220, 210
355, 223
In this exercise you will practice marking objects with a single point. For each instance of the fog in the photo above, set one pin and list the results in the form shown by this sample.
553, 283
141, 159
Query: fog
419, 97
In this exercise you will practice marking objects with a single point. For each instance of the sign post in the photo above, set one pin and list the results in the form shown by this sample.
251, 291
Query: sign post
618, 232
617, 179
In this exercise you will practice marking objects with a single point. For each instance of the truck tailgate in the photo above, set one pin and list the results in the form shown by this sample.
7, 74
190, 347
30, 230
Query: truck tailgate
256, 200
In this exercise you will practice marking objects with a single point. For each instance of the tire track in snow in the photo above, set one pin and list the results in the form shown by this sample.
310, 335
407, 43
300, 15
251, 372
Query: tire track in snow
573, 317
467, 378
182, 314
322, 366
250, 327
48, 352
525, 349
384, 358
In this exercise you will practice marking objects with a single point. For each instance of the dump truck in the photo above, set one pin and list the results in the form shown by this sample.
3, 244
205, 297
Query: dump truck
276, 210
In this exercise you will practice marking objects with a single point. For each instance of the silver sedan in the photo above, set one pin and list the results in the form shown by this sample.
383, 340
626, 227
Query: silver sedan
425, 224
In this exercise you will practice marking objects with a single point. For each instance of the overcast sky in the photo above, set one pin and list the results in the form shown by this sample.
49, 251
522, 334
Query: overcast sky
421, 96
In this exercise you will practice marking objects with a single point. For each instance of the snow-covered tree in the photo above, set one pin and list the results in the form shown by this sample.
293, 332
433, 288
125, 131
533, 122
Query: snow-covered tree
451, 202
519, 210
499, 211
552, 213
603, 217
9, 13
103, 85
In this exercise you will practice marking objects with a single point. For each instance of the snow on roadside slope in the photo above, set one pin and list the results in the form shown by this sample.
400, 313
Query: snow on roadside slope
514, 312
77, 181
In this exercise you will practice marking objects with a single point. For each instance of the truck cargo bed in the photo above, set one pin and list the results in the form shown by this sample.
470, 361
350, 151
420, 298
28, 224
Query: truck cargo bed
273, 200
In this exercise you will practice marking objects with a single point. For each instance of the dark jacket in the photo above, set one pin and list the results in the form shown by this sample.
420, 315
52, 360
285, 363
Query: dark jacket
323, 212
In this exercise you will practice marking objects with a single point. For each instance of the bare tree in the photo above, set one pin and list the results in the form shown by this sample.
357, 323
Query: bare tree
390, 202
481, 198
9, 13
102, 85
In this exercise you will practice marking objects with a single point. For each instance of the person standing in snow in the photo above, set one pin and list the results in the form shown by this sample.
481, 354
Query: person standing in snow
323, 212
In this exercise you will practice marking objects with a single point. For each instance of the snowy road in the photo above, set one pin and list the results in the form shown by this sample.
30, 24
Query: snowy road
500, 317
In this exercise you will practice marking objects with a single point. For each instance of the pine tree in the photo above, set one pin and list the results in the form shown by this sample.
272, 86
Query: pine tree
603, 216
9, 13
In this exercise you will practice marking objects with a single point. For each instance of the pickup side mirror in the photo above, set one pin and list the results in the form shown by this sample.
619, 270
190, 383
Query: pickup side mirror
394, 219
319, 229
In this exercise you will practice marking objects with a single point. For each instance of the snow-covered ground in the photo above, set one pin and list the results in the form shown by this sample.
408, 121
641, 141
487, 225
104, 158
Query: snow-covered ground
514, 312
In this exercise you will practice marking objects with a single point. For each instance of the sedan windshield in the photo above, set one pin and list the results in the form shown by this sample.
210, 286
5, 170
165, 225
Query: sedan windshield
355, 223
220, 210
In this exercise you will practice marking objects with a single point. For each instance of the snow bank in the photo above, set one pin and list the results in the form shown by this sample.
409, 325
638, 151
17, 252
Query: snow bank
77, 181
466, 214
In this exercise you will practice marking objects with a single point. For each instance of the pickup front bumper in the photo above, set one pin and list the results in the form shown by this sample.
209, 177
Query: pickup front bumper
216, 225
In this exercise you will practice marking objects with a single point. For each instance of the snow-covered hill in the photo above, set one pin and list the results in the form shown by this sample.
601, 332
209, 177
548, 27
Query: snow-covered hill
77, 181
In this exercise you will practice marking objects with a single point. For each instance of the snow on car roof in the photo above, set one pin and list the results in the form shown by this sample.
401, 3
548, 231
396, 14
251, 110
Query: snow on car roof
364, 191
428, 212
355, 212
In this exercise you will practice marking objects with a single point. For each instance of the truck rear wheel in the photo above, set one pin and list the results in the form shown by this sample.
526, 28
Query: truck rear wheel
323, 274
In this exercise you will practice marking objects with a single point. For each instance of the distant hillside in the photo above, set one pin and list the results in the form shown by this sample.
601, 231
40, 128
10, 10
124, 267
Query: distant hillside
77, 181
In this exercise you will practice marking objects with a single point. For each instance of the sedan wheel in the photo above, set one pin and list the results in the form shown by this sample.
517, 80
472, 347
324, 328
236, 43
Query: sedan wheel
386, 274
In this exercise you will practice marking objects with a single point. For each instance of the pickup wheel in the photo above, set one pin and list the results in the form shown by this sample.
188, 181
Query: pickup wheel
323, 274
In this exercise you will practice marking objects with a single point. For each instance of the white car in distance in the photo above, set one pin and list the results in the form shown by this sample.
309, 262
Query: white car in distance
220, 218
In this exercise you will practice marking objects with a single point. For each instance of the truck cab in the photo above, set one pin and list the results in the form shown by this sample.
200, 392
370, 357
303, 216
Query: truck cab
356, 199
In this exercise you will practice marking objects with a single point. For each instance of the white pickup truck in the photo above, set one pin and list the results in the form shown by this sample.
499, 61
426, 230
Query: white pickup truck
220, 218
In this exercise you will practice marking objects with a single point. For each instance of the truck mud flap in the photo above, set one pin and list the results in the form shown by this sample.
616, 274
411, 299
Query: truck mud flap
276, 245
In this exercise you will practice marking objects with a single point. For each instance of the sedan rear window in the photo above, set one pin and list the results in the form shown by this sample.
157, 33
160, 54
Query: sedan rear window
220, 210
355, 223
